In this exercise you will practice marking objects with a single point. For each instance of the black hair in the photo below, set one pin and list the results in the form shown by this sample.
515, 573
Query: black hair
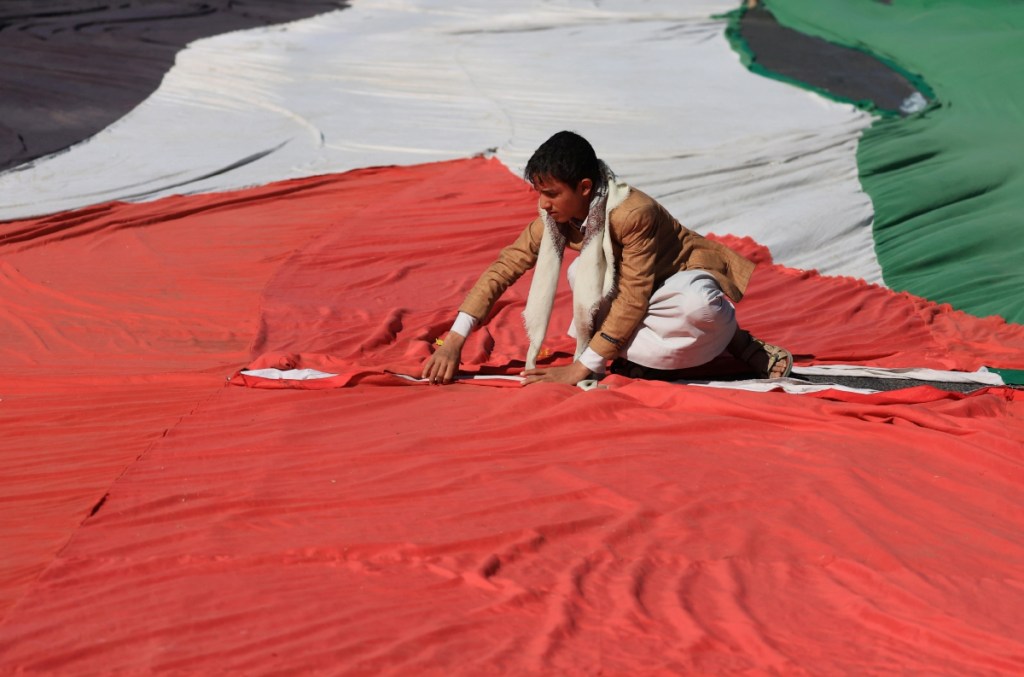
566, 157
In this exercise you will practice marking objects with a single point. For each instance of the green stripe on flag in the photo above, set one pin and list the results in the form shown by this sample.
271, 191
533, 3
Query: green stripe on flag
948, 183
1010, 376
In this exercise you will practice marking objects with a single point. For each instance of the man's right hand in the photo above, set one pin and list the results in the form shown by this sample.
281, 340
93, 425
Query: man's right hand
444, 363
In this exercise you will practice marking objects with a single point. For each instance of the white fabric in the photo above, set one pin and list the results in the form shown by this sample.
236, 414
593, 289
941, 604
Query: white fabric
288, 374
464, 377
593, 361
982, 376
654, 85
790, 385
464, 324
689, 322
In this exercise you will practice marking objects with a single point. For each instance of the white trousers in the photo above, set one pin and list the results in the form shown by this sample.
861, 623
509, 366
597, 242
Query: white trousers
689, 322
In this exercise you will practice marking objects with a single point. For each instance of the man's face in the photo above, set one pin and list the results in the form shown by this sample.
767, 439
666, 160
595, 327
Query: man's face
561, 201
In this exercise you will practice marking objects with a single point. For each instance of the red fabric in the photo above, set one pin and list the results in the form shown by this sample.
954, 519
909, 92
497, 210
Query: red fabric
389, 528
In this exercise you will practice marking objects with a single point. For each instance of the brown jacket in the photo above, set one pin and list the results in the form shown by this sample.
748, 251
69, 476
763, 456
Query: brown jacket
649, 245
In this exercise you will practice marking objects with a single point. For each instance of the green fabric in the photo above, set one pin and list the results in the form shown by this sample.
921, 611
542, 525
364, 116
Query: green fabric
1010, 376
948, 183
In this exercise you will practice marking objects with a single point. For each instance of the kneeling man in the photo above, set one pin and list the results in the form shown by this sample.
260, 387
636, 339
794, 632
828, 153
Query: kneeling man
644, 288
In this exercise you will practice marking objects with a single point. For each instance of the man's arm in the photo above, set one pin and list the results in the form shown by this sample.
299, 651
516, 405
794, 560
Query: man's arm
635, 284
512, 262
510, 265
444, 363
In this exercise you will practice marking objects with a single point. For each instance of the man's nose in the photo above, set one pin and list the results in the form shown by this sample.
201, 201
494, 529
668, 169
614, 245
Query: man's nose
544, 204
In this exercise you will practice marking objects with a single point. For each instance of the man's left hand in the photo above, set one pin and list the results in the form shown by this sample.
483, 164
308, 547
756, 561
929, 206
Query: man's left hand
569, 373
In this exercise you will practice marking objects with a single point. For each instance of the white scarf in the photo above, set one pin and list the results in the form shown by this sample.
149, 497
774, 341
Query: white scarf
595, 272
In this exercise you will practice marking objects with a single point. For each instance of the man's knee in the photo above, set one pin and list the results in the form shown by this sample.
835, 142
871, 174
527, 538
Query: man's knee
689, 322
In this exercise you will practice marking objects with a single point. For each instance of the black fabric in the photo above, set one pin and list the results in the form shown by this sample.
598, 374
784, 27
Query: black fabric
69, 68
841, 71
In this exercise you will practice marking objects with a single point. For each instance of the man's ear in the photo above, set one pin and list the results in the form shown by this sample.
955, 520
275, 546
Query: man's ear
586, 186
